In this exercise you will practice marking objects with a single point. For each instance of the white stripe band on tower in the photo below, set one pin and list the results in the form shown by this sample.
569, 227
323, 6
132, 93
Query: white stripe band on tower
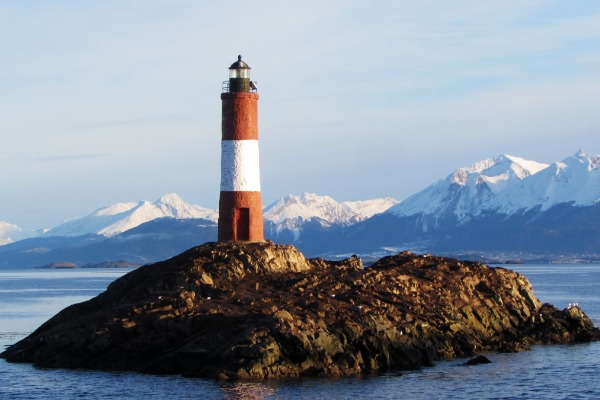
239, 166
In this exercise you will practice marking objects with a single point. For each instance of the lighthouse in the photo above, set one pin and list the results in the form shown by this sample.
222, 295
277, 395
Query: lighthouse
240, 204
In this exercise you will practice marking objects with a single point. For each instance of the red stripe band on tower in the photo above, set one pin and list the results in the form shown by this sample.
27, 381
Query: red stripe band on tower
239, 116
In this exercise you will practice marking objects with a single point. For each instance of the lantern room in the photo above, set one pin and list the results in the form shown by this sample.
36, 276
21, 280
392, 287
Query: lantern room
239, 78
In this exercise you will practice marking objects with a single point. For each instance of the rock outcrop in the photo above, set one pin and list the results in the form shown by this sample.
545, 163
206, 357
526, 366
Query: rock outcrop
261, 310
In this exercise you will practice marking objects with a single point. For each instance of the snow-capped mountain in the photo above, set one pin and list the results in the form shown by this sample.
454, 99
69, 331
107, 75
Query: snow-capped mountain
293, 213
10, 233
504, 205
310, 205
574, 180
7, 230
507, 184
121, 217
287, 214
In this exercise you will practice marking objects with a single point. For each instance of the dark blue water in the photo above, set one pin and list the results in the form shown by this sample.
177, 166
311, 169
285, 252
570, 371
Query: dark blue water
28, 298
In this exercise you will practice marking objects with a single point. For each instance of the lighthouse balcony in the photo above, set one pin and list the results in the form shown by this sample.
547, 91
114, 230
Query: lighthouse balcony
239, 86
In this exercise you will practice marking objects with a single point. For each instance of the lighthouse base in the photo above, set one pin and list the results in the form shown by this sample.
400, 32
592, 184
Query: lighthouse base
240, 217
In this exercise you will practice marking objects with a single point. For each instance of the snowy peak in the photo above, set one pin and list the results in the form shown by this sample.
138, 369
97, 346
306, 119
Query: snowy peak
507, 184
144, 211
293, 213
172, 205
495, 170
10, 233
574, 180
114, 209
169, 205
7, 230
520, 166
367, 208
307, 206
581, 160
470, 190
121, 217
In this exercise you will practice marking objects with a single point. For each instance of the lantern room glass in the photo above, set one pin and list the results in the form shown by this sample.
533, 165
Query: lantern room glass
236, 73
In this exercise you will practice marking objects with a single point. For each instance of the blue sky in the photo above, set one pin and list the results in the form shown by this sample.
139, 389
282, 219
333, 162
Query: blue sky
109, 101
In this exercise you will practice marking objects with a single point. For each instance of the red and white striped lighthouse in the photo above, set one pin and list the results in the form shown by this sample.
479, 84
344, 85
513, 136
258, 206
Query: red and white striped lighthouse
240, 204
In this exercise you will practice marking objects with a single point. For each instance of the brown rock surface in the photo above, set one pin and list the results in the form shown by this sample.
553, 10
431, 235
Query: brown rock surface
260, 310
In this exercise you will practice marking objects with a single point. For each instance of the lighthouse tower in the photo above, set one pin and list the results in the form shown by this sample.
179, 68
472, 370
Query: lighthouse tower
240, 204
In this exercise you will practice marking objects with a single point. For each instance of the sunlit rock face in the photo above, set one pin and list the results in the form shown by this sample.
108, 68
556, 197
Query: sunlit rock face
260, 310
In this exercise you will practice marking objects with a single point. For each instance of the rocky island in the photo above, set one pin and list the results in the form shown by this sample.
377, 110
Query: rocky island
261, 310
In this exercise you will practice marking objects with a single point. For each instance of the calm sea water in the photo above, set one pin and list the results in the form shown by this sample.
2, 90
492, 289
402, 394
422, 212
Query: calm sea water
30, 297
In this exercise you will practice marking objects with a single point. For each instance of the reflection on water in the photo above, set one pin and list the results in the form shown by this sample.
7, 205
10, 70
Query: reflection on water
247, 390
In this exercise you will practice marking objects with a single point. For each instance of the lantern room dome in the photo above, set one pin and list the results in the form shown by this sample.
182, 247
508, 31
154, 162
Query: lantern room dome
239, 64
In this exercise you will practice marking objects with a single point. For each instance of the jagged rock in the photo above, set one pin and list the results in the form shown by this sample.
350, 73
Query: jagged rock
261, 310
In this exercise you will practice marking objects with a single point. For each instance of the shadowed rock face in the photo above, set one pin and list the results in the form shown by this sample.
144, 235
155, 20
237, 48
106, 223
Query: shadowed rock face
260, 310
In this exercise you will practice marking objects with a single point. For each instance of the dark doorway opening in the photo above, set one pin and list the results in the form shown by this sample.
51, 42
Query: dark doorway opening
241, 224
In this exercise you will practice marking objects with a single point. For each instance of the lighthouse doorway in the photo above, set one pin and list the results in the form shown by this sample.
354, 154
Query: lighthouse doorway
241, 224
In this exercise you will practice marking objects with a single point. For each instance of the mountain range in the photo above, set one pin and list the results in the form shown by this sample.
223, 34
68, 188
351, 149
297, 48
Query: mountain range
146, 231
294, 217
501, 208
121, 217
505, 206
